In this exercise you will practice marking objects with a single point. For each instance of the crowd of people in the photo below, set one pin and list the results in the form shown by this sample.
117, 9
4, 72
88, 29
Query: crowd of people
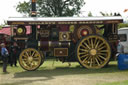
9, 55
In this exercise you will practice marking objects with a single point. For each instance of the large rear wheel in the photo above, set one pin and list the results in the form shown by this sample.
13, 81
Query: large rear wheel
30, 59
93, 51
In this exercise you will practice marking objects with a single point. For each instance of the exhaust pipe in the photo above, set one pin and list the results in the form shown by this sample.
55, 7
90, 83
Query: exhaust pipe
33, 13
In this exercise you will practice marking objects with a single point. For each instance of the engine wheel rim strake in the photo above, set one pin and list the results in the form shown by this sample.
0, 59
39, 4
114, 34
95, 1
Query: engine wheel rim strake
93, 52
30, 59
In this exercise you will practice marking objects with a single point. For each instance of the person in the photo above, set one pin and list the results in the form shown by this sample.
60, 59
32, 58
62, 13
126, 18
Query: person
120, 48
14, 54
4, 54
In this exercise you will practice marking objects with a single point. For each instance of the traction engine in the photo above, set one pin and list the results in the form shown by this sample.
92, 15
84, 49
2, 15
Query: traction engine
91, 41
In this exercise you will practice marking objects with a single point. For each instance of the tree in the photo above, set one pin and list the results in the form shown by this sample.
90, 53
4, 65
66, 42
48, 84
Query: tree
0, 27
90, 14
121, 25
54, 8
111, 14
4, 24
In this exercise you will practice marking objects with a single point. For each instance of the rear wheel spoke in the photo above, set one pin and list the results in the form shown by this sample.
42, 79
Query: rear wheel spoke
84, 55
97, 43
97, 62
87, 45
84, 50
92, 43
101, 48
102, 57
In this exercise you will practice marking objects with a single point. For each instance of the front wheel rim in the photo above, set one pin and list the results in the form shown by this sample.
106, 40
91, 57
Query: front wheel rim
30, 59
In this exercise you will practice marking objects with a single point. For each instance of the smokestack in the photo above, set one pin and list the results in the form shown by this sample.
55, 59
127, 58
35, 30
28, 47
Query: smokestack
33, 13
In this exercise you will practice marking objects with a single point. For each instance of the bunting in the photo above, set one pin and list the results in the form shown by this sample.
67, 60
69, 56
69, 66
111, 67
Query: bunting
125, 10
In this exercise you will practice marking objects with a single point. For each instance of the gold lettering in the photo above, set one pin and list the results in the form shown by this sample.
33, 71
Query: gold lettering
75, 22
53, 22
18, 23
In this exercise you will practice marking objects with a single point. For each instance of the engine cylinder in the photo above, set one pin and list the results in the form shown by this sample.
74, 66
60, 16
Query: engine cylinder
47, 45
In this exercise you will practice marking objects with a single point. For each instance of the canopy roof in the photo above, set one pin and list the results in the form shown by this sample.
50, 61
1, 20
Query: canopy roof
5, 31
63, 20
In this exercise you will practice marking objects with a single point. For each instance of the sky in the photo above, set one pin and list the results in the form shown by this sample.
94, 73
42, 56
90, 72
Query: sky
8, 8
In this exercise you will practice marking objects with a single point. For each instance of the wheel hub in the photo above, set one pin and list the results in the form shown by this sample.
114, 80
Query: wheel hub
93, 51
30, 59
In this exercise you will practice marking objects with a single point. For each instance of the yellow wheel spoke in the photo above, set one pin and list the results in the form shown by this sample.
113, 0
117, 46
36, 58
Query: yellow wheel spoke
97, 62
102, 57
27, 54
36, 59
104, 50
24, 59
31, 65
85, 59
83, 46
84, 55
99, 58
94, 61
33, 53
34, 64
27, 63
101, 45
101, 54
101, 48
91, 63
36, 55
87, 45
97, 43
92, 43
84, 50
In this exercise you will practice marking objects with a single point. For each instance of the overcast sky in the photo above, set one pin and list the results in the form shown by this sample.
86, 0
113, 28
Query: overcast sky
8, 8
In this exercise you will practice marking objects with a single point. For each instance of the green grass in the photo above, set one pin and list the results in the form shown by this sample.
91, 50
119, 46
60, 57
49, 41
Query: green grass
61, 73
116, 83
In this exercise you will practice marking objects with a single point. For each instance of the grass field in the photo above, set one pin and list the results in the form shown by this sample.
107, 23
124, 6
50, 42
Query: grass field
62, 74
117, 83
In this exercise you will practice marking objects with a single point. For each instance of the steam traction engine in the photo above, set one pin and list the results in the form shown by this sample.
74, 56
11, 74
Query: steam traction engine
91, 41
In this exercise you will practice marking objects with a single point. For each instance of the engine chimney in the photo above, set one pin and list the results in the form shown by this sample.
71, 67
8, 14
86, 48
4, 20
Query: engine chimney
33, 13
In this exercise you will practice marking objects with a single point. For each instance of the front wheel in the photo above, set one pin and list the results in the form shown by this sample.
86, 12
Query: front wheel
93, 52
30, 59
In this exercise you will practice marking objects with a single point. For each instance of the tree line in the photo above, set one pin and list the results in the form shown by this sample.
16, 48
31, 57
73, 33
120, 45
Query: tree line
57, 8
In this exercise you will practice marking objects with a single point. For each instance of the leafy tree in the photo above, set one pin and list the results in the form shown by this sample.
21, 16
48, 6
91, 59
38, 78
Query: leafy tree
122, 25
111, 14
0, 27
90, 14
52, 7
4, 24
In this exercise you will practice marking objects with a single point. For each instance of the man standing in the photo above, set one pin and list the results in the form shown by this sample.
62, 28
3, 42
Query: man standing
14, 53
4, 54
120, 47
